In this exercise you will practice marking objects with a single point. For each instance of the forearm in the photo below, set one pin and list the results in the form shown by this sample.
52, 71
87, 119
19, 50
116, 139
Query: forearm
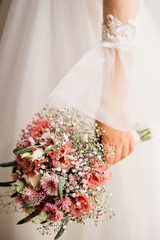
121, 9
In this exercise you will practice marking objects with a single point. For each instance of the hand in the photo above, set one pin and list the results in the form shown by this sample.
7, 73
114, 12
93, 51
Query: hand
119, 144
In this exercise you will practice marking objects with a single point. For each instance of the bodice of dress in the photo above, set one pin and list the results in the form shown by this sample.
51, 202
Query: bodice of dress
117, 35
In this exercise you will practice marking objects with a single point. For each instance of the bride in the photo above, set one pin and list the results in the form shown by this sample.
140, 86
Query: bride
116, 82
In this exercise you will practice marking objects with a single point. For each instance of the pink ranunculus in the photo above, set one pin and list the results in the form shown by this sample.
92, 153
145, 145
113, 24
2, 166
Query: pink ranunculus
81, 205
60, 158
40, 127
53, 213
98, 175
50, 185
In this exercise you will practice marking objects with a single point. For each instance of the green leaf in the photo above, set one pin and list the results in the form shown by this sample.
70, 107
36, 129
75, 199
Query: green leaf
23, 150
16, 149
40, 218
13, 195
19, 186
61, 187
6, 184
29, 217
8, 164
29, 204
62, 229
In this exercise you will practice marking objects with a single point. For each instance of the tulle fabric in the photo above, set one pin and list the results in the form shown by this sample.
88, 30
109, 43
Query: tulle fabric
119, 98
38, 62
91, 87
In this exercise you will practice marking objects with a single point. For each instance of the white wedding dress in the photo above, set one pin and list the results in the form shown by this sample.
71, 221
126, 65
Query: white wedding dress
40, 42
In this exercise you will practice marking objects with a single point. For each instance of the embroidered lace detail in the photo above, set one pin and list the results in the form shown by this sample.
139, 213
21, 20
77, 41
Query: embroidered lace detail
117, 35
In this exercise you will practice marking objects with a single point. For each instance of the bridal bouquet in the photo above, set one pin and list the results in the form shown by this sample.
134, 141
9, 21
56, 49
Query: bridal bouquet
59, 173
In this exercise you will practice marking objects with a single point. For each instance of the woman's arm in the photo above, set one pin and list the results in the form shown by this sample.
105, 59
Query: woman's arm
123, 142
121, 9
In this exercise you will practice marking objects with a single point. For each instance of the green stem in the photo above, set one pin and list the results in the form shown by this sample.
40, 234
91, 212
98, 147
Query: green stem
8, 164
145, 135
29, 217
62, 229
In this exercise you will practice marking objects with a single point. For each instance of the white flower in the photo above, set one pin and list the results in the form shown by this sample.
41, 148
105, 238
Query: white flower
78, 204
66, 138
85, 168
58, 169
34, 181
26, 155
37, 155
71, 157
98, 188
85, 138
73, 195
63, 170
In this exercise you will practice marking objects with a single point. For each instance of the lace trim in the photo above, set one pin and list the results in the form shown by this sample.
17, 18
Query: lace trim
119, 36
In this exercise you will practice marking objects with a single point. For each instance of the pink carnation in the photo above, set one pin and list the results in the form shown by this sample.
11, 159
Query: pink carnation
50, 185
53, 213
65, 204
31, 194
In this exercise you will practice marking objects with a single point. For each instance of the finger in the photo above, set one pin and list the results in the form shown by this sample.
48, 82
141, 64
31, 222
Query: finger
118, 153
125, 151
131, 145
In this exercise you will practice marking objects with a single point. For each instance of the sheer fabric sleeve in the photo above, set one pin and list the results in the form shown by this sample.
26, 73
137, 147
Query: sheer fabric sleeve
98, 84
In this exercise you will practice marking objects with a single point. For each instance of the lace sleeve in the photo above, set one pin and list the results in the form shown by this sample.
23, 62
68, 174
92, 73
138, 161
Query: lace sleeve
117, 35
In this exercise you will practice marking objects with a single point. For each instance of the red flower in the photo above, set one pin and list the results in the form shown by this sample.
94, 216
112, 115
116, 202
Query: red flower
40, 127
81, 206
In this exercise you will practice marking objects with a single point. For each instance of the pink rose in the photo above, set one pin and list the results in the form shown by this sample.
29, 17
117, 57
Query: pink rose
29, 167
81, 205
53, 213
39, 128
60, 158
98, 175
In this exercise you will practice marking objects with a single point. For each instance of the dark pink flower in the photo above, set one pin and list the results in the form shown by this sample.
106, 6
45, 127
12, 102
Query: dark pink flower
81, 205
53, 213
98, 175
50, 185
